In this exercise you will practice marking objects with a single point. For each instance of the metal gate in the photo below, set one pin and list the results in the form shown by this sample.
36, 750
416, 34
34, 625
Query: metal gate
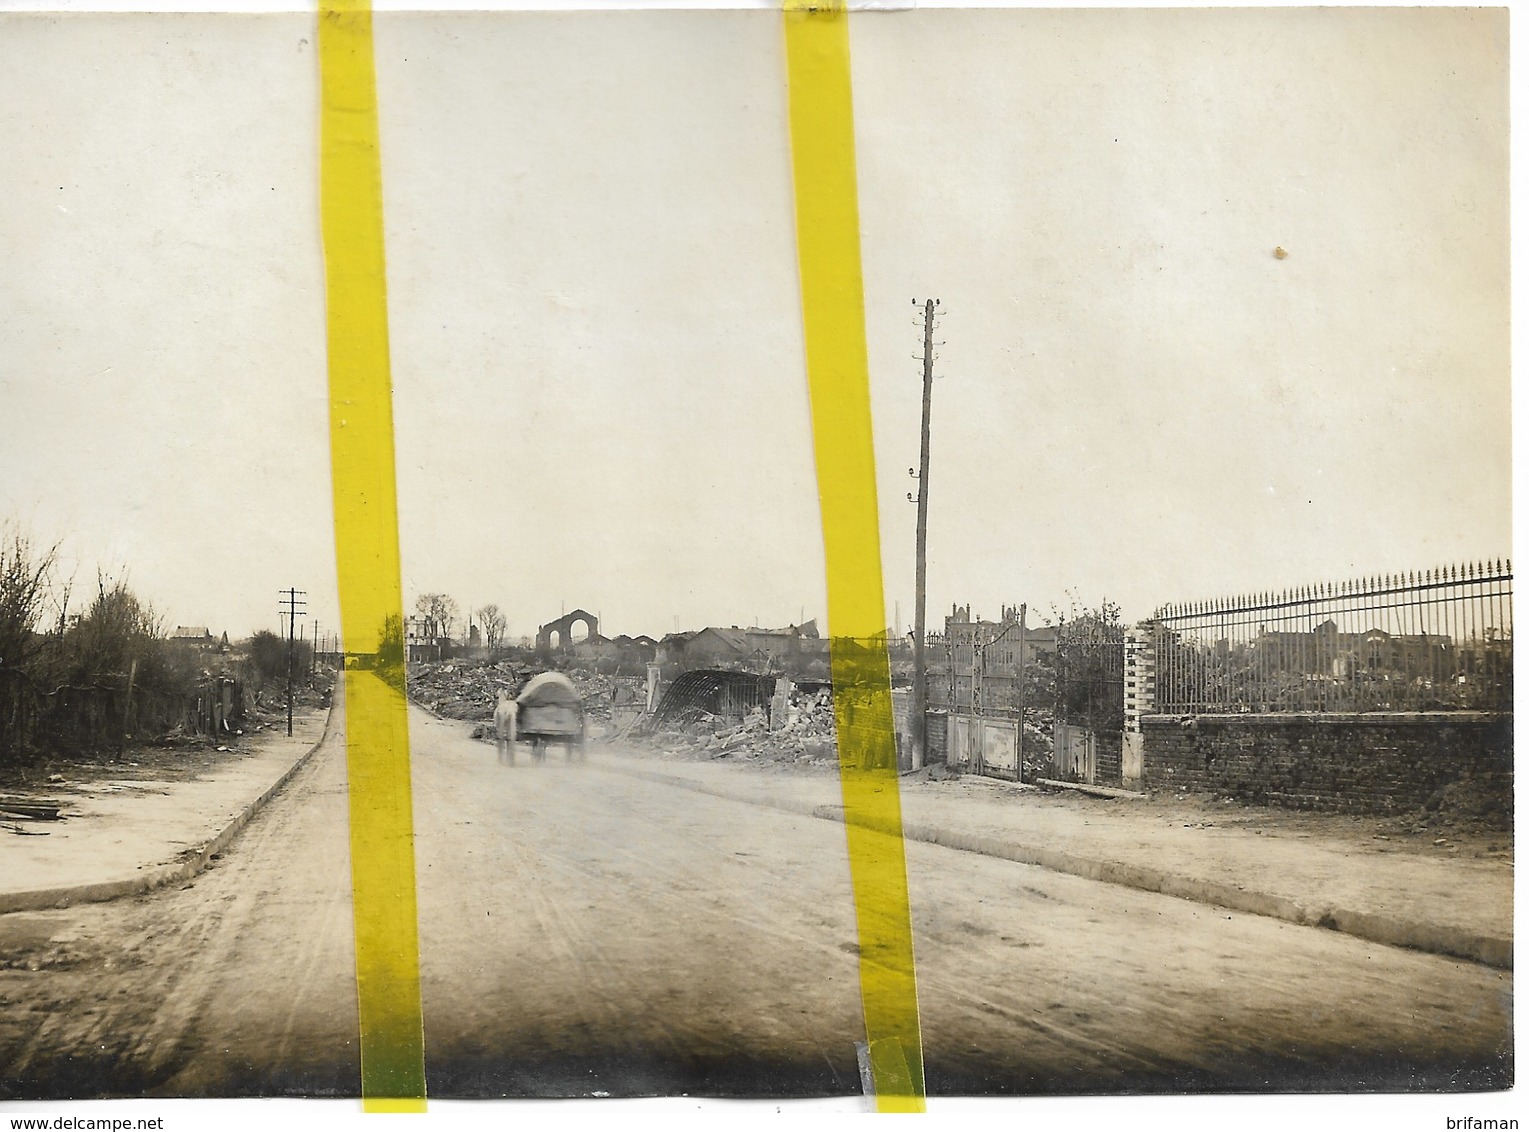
1090, 694
958, 742
983, 745
1075, 753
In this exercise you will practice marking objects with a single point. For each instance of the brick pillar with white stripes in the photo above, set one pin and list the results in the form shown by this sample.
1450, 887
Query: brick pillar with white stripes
1140, 695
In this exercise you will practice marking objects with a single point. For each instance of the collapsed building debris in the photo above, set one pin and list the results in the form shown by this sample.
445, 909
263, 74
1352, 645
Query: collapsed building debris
709, 713
467, 690
784, 725
713, 693
461, 691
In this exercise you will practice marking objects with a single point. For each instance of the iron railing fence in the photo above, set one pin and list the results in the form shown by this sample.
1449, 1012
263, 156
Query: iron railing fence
996, 683
1439, 640
937, 672
1090, 673
982, 672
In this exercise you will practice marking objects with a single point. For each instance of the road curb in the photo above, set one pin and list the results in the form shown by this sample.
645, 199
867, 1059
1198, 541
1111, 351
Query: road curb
1437, 939
38, 899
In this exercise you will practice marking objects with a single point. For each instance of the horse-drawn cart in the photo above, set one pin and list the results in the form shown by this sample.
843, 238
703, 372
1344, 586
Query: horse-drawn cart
548, 710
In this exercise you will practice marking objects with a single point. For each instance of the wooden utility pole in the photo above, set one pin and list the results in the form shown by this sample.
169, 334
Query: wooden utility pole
1019, 754
290, 601
920, 745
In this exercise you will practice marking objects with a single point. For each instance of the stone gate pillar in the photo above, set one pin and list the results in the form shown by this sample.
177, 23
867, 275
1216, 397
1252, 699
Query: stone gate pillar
1140, 696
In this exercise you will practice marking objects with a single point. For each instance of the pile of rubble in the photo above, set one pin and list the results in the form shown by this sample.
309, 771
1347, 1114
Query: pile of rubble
806, 735
467, 690
461, 691
597, 691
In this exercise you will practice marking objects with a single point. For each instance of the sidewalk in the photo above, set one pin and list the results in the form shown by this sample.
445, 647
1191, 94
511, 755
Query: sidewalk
1377, 890
124, 835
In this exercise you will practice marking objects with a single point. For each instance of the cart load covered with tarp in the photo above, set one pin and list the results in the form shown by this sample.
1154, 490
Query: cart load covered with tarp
549, 709
549, 688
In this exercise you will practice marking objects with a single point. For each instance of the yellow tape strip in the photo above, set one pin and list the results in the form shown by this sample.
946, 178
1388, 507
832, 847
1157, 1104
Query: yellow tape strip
833, 314
366, 548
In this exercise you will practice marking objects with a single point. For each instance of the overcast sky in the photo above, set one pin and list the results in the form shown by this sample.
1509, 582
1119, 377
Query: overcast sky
597, 354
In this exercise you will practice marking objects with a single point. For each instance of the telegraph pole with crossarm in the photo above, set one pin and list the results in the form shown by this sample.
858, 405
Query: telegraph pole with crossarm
919, 691
291, 601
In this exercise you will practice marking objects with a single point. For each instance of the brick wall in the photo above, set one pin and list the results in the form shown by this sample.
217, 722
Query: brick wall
1374, 763
1107, 758
934, 737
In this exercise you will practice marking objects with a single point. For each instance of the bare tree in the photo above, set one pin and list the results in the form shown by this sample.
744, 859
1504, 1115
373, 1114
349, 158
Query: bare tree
266, 658
392, 652
437, 611
24, 580
390, 640
101, 676
493, 622
422, 607
25, 574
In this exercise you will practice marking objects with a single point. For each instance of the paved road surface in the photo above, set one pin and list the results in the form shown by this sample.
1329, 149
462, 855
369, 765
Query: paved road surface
585, 931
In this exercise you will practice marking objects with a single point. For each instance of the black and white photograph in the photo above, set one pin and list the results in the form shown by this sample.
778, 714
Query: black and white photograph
1187, 341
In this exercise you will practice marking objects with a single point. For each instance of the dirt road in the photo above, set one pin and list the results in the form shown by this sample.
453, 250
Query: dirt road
584, 932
